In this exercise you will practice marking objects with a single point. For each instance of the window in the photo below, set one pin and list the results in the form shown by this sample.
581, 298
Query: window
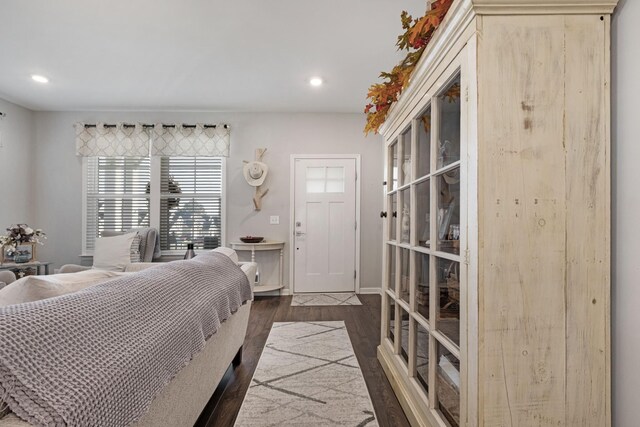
325, 179
195, 215
117, 196
181, 196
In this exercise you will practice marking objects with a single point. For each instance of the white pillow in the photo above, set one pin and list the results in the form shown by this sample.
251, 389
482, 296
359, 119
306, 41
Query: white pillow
134, 255
113, 253
136, 244
228, 252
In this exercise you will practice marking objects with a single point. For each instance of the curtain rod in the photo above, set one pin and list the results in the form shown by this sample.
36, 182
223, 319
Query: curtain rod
150, 126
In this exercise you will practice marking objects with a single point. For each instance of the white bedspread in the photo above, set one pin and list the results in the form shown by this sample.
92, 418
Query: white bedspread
35, 288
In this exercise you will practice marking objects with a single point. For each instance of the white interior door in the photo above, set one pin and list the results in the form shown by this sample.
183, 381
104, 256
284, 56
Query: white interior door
324, 225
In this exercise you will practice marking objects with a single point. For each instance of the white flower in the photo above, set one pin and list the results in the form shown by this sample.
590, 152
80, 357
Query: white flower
21, 233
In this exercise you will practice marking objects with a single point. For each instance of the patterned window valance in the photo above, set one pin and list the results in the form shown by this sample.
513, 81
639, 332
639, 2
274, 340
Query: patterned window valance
140, 140
119, 140
187, 141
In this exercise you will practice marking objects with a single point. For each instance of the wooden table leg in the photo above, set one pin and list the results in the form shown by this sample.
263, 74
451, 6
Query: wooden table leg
282, 267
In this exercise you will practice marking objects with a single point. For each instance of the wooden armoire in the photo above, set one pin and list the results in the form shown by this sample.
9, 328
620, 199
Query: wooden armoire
496, 302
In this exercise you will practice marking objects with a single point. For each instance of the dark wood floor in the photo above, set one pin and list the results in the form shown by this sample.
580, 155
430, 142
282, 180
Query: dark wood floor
363, 325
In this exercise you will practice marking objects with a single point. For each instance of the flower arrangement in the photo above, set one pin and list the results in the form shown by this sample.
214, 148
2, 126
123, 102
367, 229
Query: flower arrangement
417, 34
18, 234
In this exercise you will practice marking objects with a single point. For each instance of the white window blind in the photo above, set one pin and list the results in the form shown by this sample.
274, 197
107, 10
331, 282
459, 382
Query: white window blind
190, 202
189, 209
117, 195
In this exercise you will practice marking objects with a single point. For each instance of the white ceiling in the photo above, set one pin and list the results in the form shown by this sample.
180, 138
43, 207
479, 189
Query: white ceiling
231, 55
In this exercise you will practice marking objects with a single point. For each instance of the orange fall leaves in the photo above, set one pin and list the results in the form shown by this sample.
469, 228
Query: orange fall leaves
415, 38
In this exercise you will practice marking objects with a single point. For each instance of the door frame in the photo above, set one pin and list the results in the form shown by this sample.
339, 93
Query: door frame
292, 190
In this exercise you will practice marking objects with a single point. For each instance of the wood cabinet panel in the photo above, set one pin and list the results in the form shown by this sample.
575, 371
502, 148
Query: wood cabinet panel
522, 218
588, 237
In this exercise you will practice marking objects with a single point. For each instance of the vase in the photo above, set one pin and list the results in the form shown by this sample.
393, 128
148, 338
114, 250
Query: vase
190, 252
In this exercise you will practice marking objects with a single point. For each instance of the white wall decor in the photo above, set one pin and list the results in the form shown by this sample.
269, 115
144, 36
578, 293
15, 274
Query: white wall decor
255, 173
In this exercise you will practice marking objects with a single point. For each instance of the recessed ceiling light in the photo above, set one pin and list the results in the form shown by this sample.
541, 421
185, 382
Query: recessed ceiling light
315, 81
39, 79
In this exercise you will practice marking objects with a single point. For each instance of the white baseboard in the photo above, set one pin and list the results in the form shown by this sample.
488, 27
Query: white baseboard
376, 291
277, 293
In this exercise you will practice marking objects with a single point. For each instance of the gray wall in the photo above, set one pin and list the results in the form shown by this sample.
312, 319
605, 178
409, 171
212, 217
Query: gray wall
626, 214
16, 168
58, 174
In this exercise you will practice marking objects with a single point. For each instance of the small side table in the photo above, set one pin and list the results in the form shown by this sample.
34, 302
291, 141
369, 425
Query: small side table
264, 246
40, 266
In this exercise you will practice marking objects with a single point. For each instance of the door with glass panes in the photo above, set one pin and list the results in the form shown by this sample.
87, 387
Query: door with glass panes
425, 235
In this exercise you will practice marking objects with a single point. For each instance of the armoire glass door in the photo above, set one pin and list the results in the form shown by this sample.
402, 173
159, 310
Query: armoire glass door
423, 283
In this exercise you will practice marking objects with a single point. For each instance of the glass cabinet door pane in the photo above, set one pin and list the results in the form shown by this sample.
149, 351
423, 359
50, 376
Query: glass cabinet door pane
448, 385
392, 268
423, 192
423, 149
406, 157
422, 357
405, 217
393, 156
404, 335
391, 216
449, 139
449, 211
448, 276
403, 291
391, 317
422, 285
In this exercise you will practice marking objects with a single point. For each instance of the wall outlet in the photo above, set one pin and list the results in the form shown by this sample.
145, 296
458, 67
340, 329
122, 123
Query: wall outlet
274, 220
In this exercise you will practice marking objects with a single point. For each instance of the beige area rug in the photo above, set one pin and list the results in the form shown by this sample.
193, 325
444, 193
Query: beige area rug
325, 299
307, 375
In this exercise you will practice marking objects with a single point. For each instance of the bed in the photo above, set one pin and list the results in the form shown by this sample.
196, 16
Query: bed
181, 401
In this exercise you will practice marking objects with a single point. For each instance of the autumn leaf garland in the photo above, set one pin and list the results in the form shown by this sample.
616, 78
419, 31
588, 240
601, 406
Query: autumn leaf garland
417, 34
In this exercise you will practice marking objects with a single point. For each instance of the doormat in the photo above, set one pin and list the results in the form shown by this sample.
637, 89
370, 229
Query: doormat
309, 300
307, 375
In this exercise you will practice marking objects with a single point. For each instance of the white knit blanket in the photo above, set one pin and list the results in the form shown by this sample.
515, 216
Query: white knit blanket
99, 356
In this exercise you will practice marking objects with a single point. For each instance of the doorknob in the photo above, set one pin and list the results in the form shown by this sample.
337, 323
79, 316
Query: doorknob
383, 214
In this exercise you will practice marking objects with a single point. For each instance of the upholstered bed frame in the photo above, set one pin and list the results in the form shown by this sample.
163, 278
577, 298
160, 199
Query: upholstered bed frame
182, 401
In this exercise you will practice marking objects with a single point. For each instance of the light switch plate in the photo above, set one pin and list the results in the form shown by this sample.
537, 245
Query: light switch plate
274, 220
